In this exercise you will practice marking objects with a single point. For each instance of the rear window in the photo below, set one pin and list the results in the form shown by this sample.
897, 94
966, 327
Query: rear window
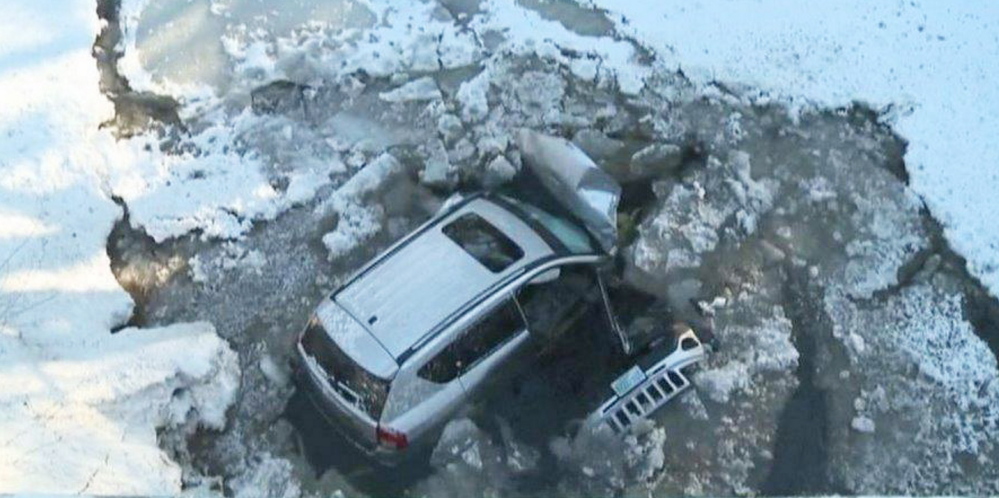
484, 242
353, 383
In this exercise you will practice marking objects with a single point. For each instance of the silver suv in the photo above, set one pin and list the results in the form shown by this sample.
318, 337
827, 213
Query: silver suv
393, 354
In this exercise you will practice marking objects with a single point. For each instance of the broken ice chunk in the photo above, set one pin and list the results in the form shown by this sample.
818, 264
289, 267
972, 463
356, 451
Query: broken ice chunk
596, 144
421, 89
498, 172
450, 127
438, 170
472, 95
862, 424
657, 158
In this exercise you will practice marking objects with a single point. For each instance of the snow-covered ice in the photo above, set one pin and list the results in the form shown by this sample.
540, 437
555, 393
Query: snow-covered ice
209, 56
84, 415
928, 380
930, 67
80, 406
759, 349
357, 221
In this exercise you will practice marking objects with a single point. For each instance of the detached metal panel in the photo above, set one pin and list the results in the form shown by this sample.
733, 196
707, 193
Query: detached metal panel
575, 181
659, 384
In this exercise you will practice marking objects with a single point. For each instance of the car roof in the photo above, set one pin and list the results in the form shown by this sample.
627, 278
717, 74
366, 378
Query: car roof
404, 294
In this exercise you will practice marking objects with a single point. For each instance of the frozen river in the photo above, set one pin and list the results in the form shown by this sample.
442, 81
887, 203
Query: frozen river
855, 351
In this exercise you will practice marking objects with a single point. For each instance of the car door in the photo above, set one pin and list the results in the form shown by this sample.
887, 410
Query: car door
555, 299
425, 394
489, 344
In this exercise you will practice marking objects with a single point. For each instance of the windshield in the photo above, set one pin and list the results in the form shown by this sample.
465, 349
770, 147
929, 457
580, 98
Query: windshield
571, 236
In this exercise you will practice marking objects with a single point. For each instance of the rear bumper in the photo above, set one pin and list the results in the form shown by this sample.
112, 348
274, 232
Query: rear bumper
339, 416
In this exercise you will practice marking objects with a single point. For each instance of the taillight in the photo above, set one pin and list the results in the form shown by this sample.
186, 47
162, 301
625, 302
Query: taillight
392, 438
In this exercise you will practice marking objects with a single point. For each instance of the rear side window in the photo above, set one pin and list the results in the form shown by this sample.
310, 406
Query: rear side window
475, 343
349, 380
484, 242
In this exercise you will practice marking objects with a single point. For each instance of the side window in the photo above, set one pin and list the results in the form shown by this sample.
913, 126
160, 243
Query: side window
549, 304
476, 342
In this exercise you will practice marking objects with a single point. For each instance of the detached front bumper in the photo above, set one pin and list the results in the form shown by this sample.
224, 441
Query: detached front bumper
639, 393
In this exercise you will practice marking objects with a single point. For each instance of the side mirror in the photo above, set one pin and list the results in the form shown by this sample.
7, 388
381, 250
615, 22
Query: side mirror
546, 276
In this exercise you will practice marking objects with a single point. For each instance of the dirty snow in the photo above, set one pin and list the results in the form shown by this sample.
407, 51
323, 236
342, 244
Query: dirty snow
758, 350
931, 381
930, 67
80, 406
685, 234
830, 214
469, 462
267, 477
219, 179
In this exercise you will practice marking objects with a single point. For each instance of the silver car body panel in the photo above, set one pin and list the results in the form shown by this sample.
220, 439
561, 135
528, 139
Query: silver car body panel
356, 425
575, 181
417, 406
355, 341
416, 287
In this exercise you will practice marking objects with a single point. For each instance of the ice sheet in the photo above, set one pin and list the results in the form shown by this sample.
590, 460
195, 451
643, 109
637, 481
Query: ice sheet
930, 67
79, 406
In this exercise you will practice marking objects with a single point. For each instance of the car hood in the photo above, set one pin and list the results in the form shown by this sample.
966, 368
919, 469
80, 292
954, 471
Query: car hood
575, 181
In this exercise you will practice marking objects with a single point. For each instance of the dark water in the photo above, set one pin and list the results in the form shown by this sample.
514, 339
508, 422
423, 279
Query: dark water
800, 465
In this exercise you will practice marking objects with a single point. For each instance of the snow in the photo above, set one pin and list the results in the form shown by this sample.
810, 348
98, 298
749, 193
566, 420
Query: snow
930, 67
211, 186
757, 350
358, 221
84, 418
80, 406
925, 375
420, 89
